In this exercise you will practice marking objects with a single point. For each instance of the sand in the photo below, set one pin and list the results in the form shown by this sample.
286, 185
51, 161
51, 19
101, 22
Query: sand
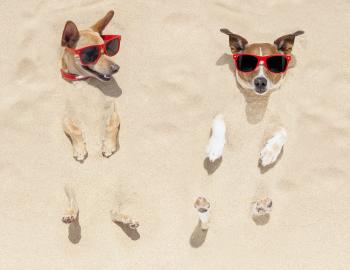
175, 77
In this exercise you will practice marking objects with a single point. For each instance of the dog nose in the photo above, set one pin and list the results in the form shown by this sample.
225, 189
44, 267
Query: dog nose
114, 68
260, 84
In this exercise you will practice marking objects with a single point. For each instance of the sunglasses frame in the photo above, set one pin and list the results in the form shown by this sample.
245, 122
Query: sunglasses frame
263, 59
101, 47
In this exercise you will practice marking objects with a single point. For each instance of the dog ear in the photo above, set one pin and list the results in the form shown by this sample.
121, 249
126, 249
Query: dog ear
70, 35
236, 42
286, 42
100, 25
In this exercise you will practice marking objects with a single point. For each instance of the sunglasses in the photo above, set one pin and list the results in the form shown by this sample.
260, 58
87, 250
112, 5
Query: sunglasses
89, 55
277, 63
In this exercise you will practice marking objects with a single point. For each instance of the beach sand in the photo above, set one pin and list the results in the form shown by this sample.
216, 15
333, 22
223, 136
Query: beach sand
175, 76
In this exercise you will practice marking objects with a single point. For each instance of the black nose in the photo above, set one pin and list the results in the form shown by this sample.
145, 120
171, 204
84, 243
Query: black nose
260, 84
114, 68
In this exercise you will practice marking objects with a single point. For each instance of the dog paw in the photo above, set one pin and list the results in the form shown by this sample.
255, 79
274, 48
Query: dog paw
108, 148
133, 224
79, 152
273, 148
262, 207
68, 219
214, 150
70, 216
269, 154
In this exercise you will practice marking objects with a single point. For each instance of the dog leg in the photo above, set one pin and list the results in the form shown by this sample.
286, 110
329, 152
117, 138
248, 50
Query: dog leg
203, 206
110, 141
72, 210
217, 140
273, 147
118, 217
76, 136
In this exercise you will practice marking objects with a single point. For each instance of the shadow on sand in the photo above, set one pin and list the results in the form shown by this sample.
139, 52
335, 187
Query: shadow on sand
133, 234
211, 167
74, 231
198, 236
261, 220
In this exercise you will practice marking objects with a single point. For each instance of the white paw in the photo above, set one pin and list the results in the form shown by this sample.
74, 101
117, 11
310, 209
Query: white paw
215, 149
217, 140
269, 154
273, 148
79, 151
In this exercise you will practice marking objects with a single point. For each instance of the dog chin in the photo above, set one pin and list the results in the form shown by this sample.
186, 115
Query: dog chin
261, 93
97, 75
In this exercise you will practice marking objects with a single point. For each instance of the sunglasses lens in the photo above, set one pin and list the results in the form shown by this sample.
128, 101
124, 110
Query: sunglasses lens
246, 63
89, 55
277, 64
112, 47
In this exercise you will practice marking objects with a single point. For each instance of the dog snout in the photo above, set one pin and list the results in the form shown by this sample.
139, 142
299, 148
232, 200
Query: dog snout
260, 84
114, 68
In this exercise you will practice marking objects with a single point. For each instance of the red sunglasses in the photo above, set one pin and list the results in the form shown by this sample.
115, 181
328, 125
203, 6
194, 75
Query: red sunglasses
89, 55
277, 63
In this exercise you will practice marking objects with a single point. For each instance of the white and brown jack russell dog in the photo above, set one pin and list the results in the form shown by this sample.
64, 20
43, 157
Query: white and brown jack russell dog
260, 69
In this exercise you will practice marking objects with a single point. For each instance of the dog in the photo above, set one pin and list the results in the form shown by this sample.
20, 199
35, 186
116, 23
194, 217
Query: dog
260, 69
87, 55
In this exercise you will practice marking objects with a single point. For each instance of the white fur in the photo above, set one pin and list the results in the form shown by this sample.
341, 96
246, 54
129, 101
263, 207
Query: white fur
273, 147
204, 218
217, 140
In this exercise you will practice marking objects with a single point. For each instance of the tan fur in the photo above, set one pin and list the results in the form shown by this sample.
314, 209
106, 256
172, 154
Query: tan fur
75, 134
110, 142
72, 210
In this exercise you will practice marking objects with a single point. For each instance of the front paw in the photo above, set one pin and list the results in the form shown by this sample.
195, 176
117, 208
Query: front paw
273, 148
79, 152
214, 150
270, 153
108, 148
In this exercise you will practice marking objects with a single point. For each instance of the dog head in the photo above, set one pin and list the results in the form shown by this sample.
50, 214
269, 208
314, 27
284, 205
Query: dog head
261, 80
72, 38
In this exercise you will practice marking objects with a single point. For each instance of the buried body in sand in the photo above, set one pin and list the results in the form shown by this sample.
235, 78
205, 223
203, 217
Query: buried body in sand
260, 69
87, 56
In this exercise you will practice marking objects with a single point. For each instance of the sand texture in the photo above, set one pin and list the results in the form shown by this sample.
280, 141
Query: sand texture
176, 74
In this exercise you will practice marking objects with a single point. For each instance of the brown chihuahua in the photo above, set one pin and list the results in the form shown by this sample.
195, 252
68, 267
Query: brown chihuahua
87, 56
